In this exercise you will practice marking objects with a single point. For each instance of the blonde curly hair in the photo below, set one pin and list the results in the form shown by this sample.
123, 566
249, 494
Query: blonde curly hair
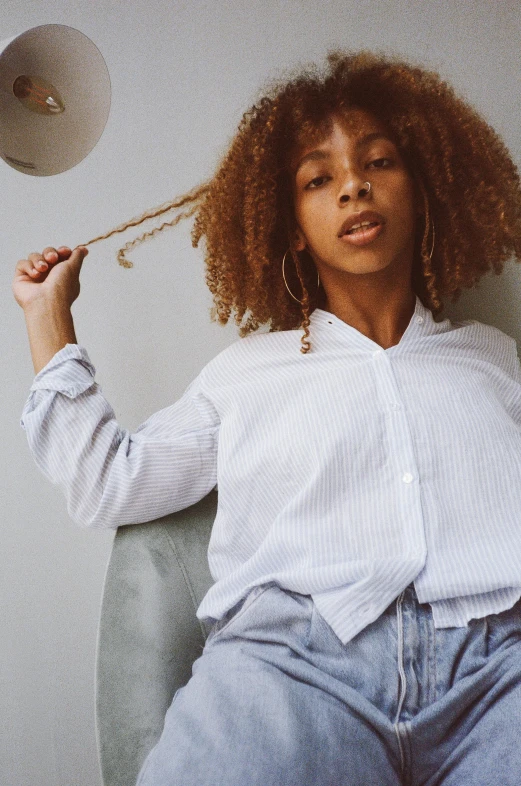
245, 213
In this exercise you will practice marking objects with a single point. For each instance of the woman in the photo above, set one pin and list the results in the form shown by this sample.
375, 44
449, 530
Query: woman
366, 612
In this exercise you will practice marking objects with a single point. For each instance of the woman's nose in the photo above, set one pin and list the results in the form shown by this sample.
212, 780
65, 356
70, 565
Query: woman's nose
354, 188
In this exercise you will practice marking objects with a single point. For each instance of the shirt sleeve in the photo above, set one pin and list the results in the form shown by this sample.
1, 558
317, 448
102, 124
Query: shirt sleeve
112, 477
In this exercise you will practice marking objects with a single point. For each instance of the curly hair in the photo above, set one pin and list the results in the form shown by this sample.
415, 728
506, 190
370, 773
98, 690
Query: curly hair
245, 213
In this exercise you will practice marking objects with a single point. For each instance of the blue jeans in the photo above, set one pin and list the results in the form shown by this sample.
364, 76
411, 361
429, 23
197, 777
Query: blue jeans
276, 699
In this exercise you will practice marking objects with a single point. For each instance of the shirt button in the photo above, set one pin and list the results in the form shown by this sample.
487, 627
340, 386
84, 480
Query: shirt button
407, 478
377, 353
419, 320
395, 406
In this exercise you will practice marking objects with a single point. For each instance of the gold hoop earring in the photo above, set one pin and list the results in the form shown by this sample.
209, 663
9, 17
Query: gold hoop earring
433, 239
286, 283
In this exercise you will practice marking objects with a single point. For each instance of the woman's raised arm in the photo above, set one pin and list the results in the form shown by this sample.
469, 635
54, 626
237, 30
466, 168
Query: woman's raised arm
110, 476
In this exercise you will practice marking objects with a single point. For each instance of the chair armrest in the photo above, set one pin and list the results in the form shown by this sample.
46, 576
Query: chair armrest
148, 635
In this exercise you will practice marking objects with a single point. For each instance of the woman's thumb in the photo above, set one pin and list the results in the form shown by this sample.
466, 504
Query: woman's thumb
78, 255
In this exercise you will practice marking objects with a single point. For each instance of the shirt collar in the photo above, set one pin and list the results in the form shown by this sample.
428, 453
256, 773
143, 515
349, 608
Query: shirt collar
422, 323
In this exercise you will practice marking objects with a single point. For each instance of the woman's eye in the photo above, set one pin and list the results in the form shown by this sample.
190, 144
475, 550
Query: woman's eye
316, 182
379, 163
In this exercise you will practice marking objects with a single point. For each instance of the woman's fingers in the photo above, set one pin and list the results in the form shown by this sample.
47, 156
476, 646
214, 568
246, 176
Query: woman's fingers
48, 256
33, 266
27, 267
38, 263
51, 255
54, 255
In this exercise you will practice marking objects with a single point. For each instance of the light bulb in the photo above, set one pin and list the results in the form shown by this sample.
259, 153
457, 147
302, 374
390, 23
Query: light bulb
38, 95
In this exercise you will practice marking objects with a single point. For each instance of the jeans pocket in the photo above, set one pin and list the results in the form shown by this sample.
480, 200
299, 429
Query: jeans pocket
321, 636
226, 623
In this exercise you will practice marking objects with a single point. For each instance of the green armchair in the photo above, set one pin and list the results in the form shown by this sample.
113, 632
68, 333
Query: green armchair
149, 635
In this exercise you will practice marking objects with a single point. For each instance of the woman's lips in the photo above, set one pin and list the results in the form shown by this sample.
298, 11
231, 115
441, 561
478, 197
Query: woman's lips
362, 236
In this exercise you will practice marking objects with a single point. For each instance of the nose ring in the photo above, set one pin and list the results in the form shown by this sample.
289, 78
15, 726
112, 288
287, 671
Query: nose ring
366, 190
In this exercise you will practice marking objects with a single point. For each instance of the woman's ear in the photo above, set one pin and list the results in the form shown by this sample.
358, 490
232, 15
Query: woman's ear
300, 241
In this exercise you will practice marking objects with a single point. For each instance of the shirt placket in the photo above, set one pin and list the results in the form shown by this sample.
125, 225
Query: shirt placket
401, 452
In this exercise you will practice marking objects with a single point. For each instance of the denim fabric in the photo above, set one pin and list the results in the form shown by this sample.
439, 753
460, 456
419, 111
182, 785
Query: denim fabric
276, 699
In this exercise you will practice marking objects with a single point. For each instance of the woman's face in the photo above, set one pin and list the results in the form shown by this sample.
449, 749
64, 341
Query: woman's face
328, 179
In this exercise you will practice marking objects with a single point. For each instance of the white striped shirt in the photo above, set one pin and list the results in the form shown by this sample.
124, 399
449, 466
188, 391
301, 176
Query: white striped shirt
346, 473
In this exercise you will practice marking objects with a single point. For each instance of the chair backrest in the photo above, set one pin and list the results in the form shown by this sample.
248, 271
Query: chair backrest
149, 635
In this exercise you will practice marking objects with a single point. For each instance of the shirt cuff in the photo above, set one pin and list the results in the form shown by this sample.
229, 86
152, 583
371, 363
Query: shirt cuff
69, 371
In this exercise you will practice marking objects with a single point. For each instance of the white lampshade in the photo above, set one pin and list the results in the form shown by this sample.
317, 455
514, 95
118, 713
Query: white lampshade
61, 57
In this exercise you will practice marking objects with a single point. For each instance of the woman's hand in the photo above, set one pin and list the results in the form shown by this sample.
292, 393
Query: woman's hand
52, 276
45, 286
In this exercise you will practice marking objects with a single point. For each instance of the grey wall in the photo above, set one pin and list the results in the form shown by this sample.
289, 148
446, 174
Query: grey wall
182, 74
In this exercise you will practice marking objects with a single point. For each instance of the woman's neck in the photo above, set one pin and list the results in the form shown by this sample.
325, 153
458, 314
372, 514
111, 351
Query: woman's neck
381, 316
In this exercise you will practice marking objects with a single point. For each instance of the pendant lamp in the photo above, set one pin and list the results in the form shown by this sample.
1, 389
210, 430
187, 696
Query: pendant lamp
54, 99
